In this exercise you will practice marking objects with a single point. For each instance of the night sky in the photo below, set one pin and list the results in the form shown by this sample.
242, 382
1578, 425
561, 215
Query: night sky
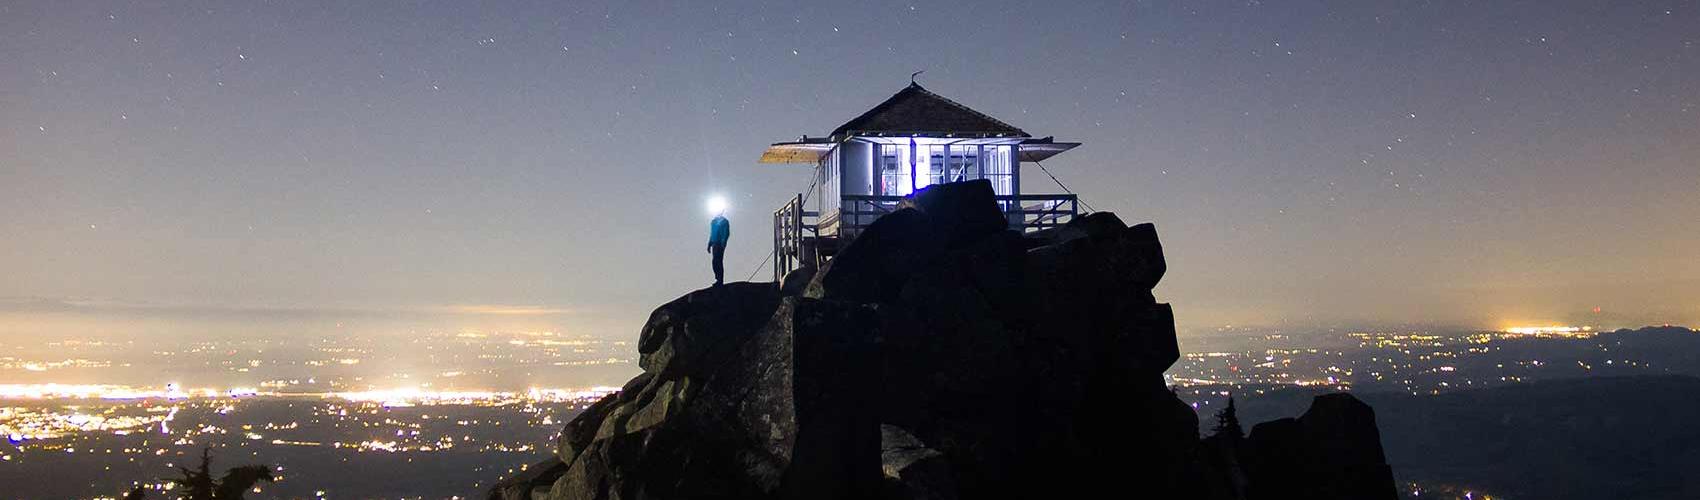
545, 164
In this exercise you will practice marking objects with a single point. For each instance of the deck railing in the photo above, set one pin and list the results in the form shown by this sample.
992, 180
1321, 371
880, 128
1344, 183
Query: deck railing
1041, 211
797, 232
1027, 212
792, 227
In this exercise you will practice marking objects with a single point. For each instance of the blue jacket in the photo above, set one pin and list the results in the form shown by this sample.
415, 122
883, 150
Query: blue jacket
719, 231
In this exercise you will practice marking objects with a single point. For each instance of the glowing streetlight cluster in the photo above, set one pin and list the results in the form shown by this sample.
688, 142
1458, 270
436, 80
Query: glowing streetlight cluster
1549, 330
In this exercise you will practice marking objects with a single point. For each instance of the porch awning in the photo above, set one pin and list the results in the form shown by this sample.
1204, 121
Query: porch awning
809, 151
1044, 149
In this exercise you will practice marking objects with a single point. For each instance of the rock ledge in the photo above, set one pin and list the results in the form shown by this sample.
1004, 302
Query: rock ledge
940, 356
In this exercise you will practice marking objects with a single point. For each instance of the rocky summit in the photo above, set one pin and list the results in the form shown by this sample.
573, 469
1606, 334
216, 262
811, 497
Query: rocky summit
940, 355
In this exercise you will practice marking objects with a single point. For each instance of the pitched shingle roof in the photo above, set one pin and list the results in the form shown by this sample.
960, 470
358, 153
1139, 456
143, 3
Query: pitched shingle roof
916, 111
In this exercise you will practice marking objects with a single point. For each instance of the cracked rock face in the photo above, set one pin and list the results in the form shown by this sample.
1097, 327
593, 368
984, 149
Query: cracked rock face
937, 356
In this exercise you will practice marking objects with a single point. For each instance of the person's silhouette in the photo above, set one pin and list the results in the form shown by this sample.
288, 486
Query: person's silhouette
719, 232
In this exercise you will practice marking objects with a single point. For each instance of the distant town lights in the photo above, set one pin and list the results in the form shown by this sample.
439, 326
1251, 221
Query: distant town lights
1547, 330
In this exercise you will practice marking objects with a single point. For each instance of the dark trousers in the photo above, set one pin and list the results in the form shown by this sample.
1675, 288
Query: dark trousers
719, 252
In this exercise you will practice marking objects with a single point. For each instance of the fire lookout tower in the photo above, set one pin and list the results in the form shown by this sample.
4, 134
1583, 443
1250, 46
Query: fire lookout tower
867, 166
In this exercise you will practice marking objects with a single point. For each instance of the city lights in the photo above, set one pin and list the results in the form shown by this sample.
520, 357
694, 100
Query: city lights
1551, 330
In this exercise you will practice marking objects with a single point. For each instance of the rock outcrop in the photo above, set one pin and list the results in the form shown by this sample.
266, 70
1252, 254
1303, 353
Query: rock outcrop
1332, 451
939, 356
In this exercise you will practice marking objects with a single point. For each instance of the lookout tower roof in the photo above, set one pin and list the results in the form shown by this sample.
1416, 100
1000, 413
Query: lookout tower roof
917, 112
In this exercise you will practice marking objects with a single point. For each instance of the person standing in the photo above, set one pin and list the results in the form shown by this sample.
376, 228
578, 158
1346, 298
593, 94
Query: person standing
719, 232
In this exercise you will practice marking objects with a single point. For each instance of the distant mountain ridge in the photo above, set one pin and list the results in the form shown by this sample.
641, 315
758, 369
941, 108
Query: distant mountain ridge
941, 356
1657, 330
1672, 349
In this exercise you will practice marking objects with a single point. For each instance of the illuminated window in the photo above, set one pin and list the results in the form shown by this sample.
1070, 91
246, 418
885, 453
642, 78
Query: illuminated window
941, 163
829, 189
894, 170
964, 163
997, 167
930, 169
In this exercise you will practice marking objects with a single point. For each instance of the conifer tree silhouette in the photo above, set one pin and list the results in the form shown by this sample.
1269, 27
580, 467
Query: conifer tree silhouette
1228, 423
198, 484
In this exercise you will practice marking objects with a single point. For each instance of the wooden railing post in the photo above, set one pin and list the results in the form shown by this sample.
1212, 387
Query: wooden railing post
797, 231
778, 248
